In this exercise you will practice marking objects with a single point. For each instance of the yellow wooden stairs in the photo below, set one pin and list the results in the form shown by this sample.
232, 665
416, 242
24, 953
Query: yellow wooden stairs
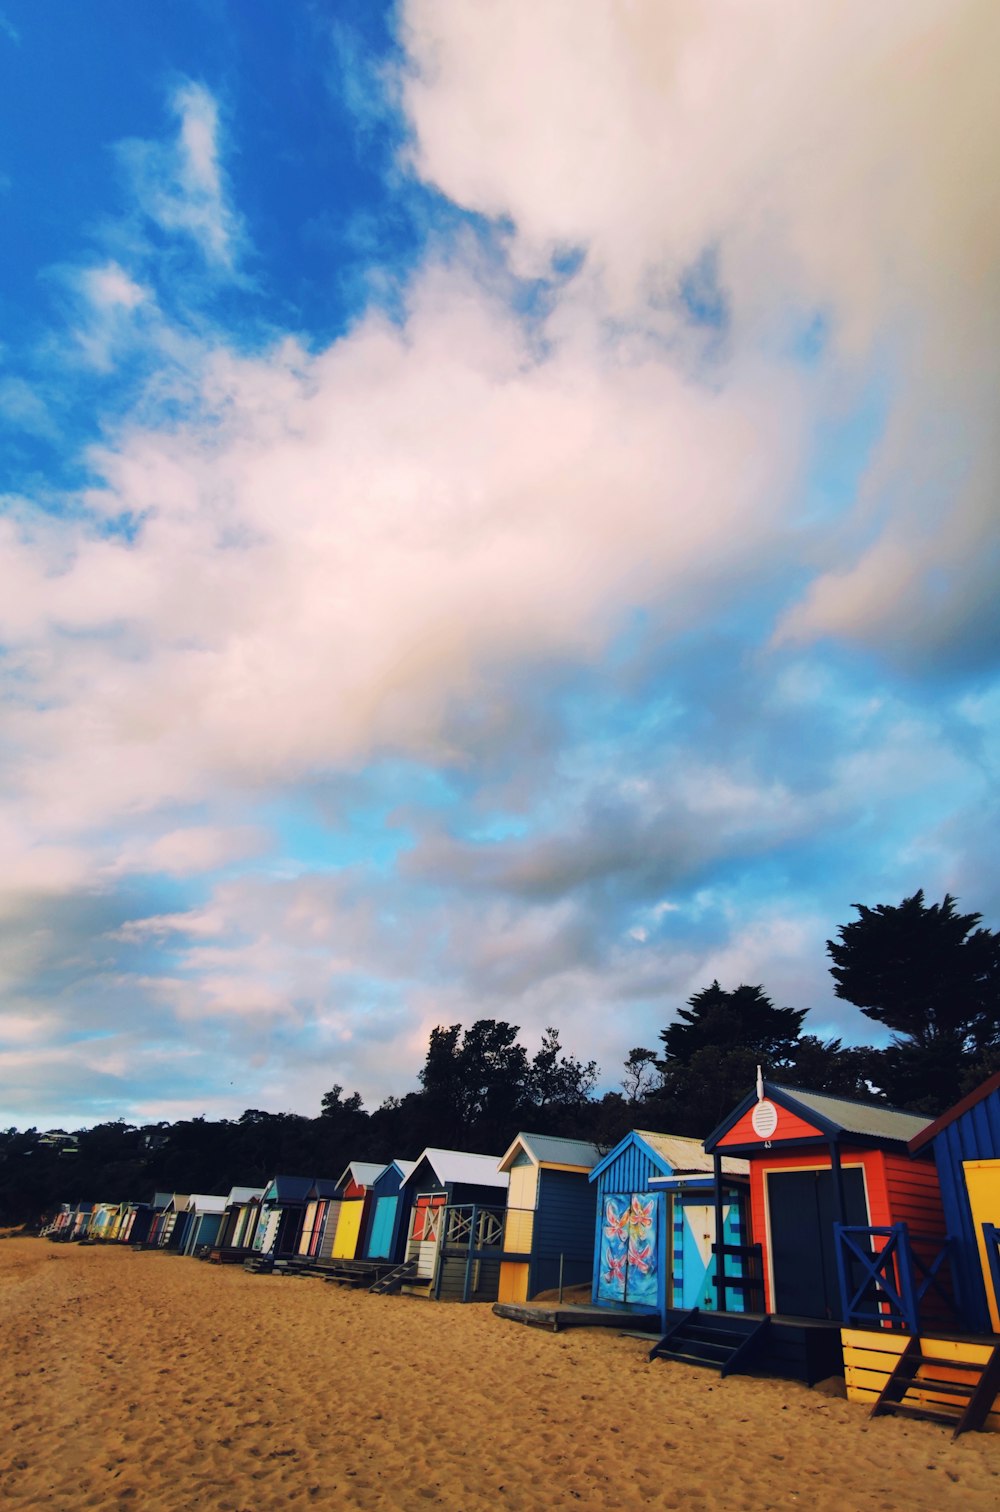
946, 1380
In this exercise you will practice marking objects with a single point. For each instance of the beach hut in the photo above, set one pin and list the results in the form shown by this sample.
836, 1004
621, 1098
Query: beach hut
551, 1204
204, 1219
817, 1161
239, 1221
281, 1213
82, 1213
135, 1222
353, 1192
655, 1225
322, 1194
454, 1244
965, 1142
170, 1232
386, 1230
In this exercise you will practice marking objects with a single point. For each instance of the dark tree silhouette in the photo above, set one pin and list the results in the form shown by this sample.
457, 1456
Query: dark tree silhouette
932, 976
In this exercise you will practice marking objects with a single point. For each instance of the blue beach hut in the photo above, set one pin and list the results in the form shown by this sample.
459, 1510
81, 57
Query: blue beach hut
656, 1224
388, 1219
966, 1145
549, 1230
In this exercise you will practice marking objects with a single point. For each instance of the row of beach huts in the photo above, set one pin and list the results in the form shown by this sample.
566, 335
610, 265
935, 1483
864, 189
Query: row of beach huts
807, 1236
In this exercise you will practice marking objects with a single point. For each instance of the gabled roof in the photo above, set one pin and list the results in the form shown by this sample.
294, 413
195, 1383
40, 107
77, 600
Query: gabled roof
404, 1168
549, 1149
201, 1202
178, 1202
676, 1153
160, 1199
288, 1188
323, 1186
457, 1166
361, 1172
243, 1194
832, 1116
932, 1130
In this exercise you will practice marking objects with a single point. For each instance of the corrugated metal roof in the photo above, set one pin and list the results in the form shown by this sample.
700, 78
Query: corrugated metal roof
551, 1149
459, 1166
685, 1155
405, 1167
872, 1119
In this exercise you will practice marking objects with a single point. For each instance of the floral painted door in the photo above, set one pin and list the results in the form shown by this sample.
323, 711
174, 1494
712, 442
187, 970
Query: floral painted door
628, 1258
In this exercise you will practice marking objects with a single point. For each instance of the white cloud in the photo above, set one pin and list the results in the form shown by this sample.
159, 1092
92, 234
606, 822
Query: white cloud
837, 156
181, 187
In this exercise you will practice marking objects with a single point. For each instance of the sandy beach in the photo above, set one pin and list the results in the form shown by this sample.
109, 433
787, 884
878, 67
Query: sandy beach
145, 1380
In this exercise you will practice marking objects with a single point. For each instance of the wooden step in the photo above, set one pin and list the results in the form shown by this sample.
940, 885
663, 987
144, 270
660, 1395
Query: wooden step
928, 1414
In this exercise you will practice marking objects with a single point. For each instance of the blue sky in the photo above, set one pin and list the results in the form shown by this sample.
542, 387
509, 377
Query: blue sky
498, 520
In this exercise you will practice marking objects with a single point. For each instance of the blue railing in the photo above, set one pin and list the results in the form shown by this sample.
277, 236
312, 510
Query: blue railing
887, 1274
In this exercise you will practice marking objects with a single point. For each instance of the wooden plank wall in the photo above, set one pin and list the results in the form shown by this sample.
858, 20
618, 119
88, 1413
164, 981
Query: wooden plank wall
871, 1356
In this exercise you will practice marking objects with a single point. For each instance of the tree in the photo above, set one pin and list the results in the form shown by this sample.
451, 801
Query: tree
711, 1052
476, 1088
640, 1074
557, 1084
932, 976
927, 973
745, 1017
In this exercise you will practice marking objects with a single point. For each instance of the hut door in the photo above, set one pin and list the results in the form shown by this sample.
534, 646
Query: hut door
428, 1216
694, 1236
380, 1242
628, 1260
345, 1243
803, 1210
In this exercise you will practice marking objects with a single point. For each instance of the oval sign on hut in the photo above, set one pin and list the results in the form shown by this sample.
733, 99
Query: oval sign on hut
764, 1119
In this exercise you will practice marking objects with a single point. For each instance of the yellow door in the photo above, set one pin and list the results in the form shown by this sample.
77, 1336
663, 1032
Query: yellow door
513, 1282
982, 1182
345, 1241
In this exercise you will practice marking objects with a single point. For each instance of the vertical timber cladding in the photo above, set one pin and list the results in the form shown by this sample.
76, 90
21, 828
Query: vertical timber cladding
964, 1136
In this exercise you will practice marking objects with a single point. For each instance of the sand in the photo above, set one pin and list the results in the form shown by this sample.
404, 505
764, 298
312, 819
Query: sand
148, 1381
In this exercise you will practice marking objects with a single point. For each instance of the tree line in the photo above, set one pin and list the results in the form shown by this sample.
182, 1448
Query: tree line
926, 973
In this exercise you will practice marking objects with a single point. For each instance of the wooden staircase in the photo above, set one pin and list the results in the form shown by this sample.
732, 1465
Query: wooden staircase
726, 1342
259, 1265
958, 1393
395, 1278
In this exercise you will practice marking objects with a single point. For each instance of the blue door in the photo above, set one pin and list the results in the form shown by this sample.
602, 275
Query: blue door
627, 1258
380, 1244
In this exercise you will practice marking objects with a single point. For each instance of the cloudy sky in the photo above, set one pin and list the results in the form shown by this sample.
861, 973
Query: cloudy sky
498, 520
